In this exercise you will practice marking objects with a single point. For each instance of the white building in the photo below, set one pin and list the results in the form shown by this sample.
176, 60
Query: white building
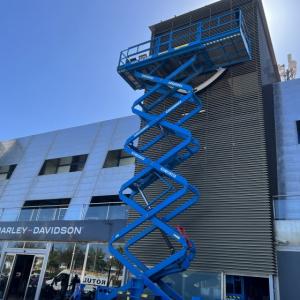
287, 203
59, 206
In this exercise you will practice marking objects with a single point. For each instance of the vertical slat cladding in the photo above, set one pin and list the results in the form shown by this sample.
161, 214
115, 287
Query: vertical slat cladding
232, 222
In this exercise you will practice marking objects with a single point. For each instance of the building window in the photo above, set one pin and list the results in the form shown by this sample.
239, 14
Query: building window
6, 171
106, 208
233, 285
44, 210
207, 285
298, 130
243, 287
63, 164
117, 158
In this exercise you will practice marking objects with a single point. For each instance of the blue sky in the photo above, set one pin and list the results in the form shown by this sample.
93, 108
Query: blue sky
58, 58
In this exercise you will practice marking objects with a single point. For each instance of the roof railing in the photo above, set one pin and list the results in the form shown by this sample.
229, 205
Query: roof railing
109, 211
198, 32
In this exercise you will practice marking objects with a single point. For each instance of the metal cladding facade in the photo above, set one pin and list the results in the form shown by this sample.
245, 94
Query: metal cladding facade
29, 154
232, 222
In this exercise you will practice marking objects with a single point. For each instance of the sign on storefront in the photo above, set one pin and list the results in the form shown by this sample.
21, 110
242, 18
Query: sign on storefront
63, 231
93, 280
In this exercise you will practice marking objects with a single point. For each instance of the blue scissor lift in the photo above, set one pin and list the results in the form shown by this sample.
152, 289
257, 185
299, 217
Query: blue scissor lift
167, 67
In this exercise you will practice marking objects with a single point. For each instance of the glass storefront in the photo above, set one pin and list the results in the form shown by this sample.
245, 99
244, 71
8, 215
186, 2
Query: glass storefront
102, 268
197, 284
54, 274
51, 270
65, 260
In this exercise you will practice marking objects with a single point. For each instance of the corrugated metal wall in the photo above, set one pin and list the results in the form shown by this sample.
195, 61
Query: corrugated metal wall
232, 222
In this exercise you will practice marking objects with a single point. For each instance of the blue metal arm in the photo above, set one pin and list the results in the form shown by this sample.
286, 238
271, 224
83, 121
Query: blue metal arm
168, 97
160, 170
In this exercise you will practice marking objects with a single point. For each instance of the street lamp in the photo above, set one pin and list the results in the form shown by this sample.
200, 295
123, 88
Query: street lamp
184, 277
109, 270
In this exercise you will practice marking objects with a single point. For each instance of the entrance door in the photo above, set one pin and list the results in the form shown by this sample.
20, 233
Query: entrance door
34, 277
5, 273
19, 277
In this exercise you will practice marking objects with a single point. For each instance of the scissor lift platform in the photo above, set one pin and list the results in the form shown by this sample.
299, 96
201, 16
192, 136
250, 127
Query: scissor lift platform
167, 68
219, 41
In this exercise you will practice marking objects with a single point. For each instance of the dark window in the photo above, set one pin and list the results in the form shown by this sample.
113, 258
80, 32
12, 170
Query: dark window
106, 207
116, 158
6, 171
44, 210
233, 284
63, 164
298, 130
